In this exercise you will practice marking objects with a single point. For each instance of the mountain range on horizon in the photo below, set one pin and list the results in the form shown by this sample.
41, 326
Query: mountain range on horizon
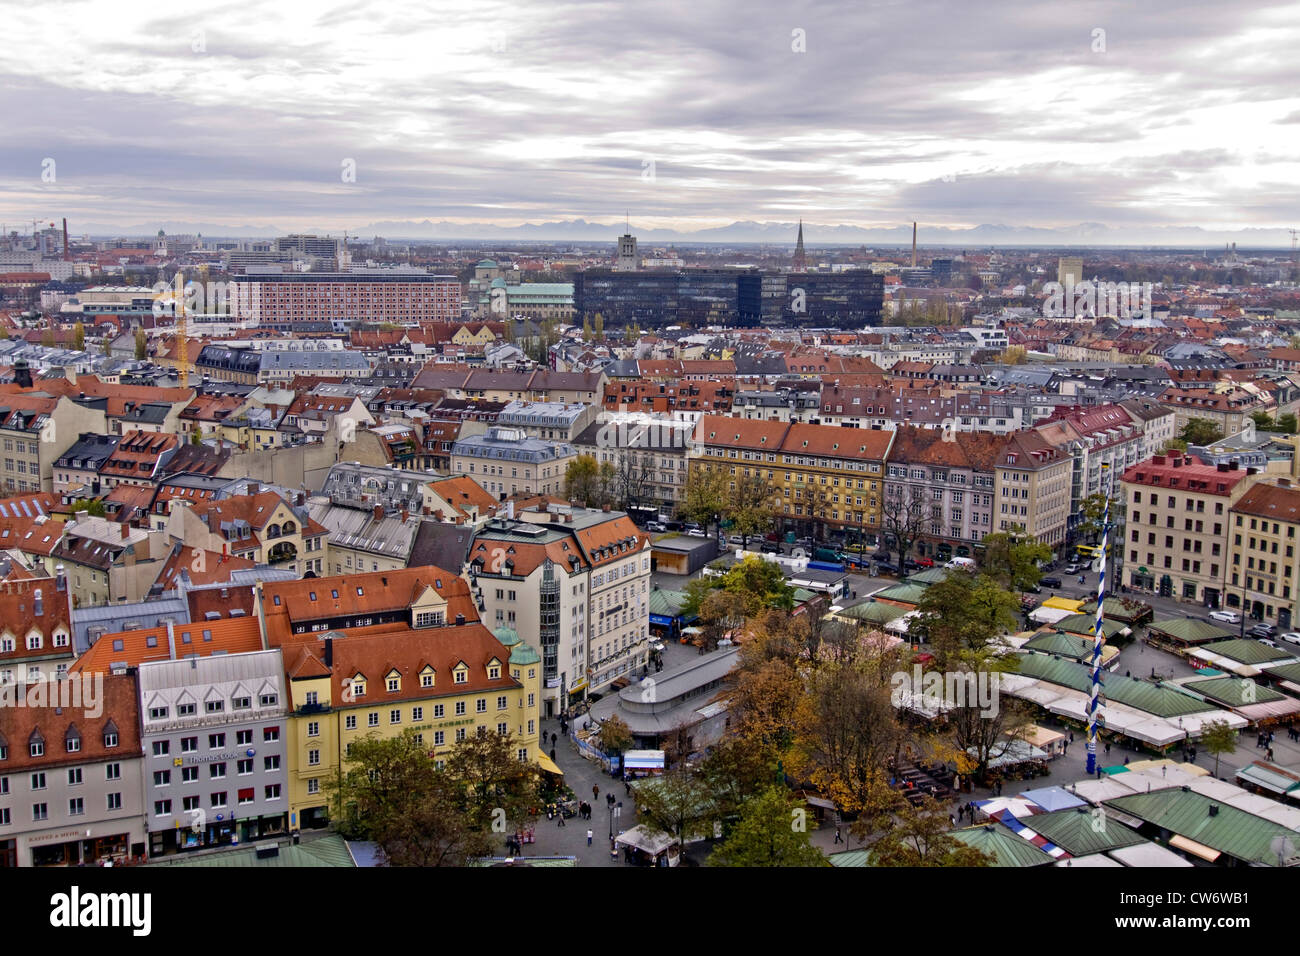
747, 231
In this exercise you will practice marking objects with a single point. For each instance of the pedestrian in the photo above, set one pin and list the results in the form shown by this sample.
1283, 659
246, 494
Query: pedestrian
838, 838
552, 754
1108, 748
589, 836
595, 791
1072, 736
1126, 761
1270, 754
1128, 673
952, 821
561, 823
613, 850
554, 737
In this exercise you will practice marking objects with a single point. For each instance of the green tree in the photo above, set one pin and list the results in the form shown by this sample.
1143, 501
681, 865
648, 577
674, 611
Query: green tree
771, 832
78, 337
1263, 421
107, 344
1200, 431
47, 338
92, 506
598, 327
751, 506
1093, 509
919, 836
141, 345
1218, 737
488, 769
615, 735
738, 768
963, 612
1014, 355
705, 495
676, 803
1012, 558
848, 730
1286, 423
588, 482
760, 583
390, 791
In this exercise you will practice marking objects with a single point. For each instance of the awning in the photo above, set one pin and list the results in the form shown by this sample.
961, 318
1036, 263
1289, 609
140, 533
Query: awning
1194, 848
661, 620
548, 764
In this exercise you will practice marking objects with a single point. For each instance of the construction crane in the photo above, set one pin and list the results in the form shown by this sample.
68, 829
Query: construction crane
182, 338
1295, 240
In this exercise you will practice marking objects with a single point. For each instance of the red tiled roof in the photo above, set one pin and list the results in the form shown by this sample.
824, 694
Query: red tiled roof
236, 635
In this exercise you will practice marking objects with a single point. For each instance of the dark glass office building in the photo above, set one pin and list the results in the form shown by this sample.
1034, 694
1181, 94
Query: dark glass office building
744, 298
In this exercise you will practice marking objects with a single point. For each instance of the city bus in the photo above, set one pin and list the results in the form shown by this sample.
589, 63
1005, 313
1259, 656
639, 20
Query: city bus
1089, 552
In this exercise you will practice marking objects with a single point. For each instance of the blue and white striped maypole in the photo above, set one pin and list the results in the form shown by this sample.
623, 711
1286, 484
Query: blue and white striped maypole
1099, 635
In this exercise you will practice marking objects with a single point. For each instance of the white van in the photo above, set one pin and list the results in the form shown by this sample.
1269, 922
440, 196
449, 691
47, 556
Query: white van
967, 564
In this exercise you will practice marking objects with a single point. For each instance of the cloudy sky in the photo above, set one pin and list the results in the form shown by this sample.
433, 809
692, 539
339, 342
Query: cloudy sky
686, 114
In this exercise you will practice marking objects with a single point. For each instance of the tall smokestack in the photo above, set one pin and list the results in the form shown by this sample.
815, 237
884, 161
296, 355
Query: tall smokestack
65, 238
913, 245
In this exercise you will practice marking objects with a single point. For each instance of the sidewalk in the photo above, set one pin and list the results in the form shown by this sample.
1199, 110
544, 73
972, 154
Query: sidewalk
571, 839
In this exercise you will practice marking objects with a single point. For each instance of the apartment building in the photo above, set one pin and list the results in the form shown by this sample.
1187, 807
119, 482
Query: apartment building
507, 462
579, 579
35, 630
824, 476
287, 300
1263, 573
108, 561
215, 767
70, 767
1032, 488
1176, 525
376, 654
261, 527
648, 454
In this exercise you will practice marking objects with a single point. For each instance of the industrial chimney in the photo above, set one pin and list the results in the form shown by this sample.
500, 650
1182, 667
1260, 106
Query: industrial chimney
913, 245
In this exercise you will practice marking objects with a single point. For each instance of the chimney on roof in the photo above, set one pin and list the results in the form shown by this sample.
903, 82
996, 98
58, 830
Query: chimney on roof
60, 579
39, 609
126, 530
1160, 459
329, 652
254, 487
1235, 463
1284, 482
171, 641
379, 512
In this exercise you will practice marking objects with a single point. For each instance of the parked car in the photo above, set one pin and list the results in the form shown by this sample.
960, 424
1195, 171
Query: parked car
1267, 643
655, 526
736, 539
1263, 630
696, 533
925, 562
657, 647
1226, 617
1072, 569
771, 547
1291, 637
1049, 582
884, 567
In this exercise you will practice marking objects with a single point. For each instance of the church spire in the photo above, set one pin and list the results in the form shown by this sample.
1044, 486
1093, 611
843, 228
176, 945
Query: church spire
800, 261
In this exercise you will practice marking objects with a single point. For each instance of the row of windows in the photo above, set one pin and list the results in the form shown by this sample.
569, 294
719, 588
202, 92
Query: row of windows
71, 744
163, 808
243, 738
112, 771
212, 706
76, 808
